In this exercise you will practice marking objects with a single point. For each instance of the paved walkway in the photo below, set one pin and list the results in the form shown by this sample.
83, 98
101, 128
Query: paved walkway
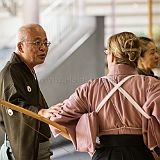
64, 150
68, 153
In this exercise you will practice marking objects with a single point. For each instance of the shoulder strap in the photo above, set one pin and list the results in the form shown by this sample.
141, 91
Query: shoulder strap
111, 92
134, 103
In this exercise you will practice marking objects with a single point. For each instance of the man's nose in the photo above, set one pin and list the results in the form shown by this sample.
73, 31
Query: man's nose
43, 47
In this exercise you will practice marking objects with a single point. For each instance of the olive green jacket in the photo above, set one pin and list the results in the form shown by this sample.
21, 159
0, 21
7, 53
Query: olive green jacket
19, 86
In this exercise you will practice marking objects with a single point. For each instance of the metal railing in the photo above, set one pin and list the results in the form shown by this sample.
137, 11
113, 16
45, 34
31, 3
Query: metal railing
10, 5
59, 20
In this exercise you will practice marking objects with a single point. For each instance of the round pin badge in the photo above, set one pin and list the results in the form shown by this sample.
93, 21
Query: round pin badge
29, 89
10, 112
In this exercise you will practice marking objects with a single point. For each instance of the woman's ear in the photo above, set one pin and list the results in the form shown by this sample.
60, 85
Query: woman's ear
113, 57
140, 62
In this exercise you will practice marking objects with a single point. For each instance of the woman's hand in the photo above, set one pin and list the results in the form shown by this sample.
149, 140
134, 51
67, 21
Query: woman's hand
56, 109
52, 111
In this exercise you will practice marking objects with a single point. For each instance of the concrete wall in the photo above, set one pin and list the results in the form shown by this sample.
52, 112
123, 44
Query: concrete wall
1, 136
87, 62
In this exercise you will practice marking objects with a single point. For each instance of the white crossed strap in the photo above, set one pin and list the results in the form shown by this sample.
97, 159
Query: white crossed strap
115, 88
134, 103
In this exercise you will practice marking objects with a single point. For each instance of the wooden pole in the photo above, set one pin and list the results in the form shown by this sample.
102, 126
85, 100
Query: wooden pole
33, 115
150, 34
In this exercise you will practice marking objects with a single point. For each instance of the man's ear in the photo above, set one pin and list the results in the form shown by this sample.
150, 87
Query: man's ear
20, 47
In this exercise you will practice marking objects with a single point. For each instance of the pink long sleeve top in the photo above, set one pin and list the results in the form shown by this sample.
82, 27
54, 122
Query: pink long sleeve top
118, 116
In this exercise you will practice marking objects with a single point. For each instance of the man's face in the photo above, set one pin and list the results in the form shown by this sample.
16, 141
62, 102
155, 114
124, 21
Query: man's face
35, 47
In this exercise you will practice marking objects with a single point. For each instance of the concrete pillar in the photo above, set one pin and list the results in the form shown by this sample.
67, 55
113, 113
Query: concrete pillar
81, 9
113, 15
30, 11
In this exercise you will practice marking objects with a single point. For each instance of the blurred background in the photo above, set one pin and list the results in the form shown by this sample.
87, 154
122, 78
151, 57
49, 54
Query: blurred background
78, 31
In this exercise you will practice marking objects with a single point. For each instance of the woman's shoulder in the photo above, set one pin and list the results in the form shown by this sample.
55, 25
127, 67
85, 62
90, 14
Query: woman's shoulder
92, 83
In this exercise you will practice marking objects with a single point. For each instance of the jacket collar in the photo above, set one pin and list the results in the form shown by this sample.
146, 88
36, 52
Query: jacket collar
15, 58
121, 69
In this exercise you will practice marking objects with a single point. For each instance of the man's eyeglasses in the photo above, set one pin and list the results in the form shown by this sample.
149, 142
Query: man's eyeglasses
39, 43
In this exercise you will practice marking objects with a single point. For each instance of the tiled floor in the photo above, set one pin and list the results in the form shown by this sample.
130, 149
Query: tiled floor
68, 153
64, 150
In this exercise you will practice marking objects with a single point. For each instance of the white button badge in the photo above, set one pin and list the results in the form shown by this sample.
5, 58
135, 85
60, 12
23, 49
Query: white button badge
10, 112
29, 89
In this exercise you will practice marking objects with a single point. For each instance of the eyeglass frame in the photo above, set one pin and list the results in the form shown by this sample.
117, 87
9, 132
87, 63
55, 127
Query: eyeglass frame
39, 43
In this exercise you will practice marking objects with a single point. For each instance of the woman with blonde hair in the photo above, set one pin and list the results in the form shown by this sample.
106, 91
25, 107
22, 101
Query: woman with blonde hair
121, 103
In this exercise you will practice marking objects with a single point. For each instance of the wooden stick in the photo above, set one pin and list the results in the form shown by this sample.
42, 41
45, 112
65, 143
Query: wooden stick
150, 34
33, 115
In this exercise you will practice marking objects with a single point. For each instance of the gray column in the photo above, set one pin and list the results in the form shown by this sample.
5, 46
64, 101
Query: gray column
81, 7
30, 11
113, 16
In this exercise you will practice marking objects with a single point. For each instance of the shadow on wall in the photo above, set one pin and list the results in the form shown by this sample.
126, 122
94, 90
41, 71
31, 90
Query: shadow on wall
1, 136
5, 55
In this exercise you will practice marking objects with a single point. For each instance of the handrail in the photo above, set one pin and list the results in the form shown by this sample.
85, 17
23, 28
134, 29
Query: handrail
59, 20
10, 6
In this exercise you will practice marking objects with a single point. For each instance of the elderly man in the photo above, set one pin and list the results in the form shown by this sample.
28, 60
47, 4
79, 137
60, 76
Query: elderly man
26, 138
